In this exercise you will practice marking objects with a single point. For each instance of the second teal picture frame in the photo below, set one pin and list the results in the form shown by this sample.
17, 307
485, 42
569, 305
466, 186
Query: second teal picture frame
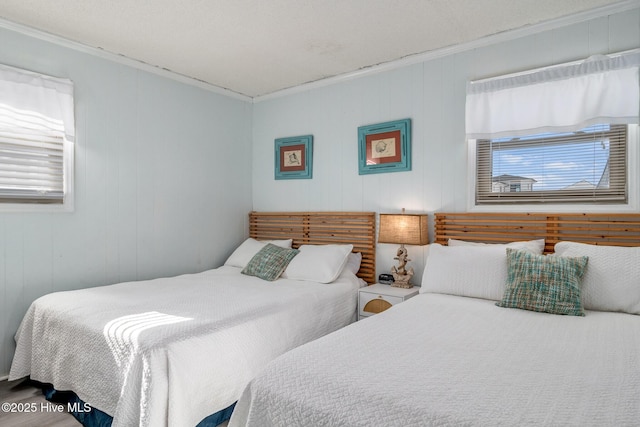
384, 147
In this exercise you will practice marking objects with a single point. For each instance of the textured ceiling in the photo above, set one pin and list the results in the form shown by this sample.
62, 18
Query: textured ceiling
256, 47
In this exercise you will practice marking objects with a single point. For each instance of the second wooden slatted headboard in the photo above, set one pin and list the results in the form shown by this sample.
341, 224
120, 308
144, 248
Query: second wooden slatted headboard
614, 229
320, 228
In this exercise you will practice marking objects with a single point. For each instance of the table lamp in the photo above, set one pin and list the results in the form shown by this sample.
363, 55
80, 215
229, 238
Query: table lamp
403, 229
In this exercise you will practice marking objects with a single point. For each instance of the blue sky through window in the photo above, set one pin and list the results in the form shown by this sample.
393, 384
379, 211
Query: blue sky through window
554, 164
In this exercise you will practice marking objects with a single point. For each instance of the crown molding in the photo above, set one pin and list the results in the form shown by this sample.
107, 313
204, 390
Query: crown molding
121, 59
576, 18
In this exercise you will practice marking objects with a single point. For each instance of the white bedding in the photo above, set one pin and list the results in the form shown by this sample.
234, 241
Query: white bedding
450, 360
171, 351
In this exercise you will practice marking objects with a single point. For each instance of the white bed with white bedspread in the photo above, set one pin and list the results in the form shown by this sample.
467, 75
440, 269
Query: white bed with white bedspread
500, 335
169, 352
450, 360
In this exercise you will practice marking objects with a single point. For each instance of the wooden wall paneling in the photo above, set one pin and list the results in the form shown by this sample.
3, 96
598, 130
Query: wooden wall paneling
624, 31
577, 41
598, 35
345, 114
5, 337
14, 304
127, 158
37, 240
93, 207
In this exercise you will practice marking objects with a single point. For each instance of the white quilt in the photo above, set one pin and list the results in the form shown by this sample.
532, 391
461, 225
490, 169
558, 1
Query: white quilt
171, 351
439, 360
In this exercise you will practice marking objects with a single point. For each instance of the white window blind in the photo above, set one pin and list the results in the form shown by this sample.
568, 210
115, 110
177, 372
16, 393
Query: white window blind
588, 166
36, 137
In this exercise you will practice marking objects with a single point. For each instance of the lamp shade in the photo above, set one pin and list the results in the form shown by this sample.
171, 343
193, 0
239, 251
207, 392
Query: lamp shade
404, 229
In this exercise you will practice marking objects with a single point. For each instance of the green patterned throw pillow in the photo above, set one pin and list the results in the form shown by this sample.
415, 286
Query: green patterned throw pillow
549, 284
269, 262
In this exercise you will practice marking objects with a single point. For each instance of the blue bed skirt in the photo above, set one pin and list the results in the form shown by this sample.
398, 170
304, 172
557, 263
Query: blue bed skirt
92, 417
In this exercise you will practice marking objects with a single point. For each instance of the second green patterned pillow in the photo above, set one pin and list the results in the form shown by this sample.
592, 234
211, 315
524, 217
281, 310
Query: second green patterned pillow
549, 284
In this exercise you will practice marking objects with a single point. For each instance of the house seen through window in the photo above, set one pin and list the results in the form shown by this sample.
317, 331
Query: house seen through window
584, 166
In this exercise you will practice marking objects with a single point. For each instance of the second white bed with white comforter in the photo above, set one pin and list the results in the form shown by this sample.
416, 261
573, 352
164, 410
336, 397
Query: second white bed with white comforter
170, 352
450, 360
499, 335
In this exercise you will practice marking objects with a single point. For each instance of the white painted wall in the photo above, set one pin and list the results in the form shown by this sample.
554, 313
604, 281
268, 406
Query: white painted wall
432, 94
162, 179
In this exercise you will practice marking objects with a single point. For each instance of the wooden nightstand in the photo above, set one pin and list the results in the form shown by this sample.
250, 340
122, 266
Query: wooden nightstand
377, 298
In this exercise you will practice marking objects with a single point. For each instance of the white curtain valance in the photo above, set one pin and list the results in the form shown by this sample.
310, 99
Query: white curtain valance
50, 99
563, 98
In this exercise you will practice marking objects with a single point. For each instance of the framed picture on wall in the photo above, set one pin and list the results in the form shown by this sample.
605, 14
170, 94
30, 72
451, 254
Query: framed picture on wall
384, 147
294, 157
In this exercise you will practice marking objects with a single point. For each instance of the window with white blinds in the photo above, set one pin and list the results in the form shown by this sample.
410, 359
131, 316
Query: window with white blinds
556, 135
587, 166
31, 157
36, 139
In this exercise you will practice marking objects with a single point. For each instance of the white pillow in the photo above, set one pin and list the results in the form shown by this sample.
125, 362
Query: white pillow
533, 246
318, 263
243, 253
611, 281
470, 271
354, 259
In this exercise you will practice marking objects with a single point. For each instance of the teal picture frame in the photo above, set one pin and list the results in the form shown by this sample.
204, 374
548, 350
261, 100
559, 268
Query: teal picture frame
384, 147
294, 157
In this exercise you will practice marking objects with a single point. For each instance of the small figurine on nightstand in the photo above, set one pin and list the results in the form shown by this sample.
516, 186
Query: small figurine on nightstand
402, 276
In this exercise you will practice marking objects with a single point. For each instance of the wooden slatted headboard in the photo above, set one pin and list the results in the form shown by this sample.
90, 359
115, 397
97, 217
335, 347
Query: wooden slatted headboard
615, 229
318, 228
